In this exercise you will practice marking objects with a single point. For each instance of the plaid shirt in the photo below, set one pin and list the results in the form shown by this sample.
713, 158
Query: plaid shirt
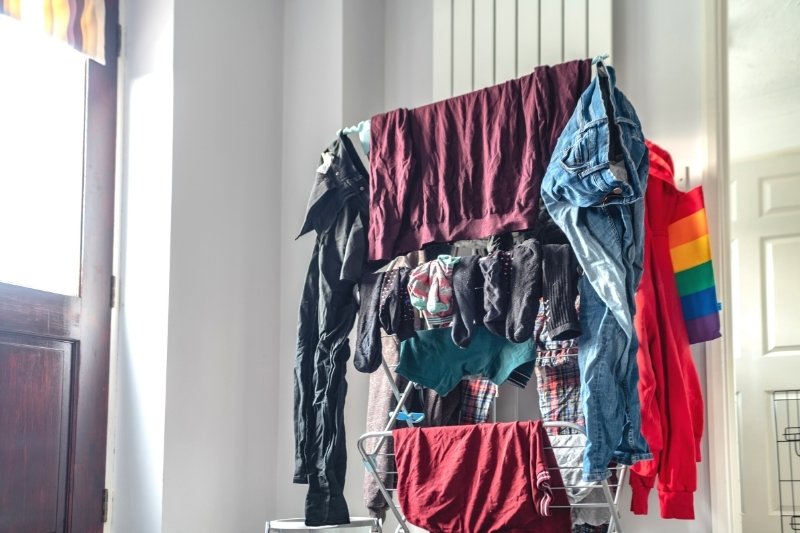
550, 352
476, 398
557, 376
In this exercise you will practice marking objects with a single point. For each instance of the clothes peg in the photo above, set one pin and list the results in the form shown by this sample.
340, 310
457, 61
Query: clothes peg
363, 130
414, 418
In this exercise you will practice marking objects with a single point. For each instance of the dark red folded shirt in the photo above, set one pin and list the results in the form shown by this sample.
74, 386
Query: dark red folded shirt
470, 166
480, 478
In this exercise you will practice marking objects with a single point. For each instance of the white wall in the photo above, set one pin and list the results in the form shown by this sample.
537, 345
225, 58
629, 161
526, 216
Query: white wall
136, 426
658, 53
199, 316
408, 63
219, 451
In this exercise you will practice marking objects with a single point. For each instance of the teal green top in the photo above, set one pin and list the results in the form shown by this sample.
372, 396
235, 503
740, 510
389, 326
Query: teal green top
433, 360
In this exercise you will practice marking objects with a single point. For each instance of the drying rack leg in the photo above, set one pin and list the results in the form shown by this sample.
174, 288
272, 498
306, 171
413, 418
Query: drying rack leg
372, 468
615, 526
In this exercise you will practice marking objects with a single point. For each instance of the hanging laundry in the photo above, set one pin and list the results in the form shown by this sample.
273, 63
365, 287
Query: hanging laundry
337, 212
470, 166
512, 286
559, 387
367, 357
477, 396
467, 299
431, 359
568, 450
557, 375
437, 411
496, 269
468, 403
484, 478
526, 289
669, 387
430, 289
396, 314
594, 190
560, 288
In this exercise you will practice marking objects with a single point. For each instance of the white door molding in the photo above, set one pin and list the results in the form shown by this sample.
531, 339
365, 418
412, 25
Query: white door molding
723, 449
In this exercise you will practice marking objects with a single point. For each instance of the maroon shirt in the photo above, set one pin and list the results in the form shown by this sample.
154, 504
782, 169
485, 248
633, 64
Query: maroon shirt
467, 167
481, 478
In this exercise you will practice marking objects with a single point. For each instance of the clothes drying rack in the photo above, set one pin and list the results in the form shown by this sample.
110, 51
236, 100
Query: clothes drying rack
371, 446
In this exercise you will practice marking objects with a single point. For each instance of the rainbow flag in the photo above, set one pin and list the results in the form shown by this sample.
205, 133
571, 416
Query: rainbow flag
690, 249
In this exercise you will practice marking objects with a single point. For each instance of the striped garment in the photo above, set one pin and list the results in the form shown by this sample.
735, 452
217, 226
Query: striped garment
430, 288
80, 23
690, 249
558, 378
559, 390
476, 398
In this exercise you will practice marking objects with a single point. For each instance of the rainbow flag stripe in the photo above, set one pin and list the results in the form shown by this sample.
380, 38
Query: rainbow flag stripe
690, 250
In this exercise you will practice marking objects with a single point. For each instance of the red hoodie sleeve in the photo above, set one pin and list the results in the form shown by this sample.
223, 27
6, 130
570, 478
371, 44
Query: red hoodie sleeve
664, 345
651, 384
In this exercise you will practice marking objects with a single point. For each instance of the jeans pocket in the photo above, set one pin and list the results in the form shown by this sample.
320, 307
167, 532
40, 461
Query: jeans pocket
584, 152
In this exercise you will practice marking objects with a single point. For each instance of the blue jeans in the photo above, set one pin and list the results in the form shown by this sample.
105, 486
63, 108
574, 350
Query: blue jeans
594, 190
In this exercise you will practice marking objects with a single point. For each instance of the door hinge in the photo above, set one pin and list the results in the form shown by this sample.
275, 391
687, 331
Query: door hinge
113, 293
105, 505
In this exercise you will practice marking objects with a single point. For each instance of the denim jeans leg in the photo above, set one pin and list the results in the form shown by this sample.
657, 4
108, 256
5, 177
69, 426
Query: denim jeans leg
602, 396
594, 189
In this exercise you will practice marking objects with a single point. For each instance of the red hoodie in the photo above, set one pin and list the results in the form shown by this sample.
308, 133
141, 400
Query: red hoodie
669, 388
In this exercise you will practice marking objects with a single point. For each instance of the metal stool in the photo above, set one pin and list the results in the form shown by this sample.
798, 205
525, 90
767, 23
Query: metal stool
299, 524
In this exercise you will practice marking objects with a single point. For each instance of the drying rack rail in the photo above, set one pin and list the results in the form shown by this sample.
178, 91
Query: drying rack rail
370, 453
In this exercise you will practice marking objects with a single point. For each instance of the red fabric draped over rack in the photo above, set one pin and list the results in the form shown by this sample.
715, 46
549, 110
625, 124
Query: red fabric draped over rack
467, 167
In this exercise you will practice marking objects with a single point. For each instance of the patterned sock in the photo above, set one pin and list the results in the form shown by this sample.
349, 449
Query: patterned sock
526, 289
496, 268
560, 269
467, 299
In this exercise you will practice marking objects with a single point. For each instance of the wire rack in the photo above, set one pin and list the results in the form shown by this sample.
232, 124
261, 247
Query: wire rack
786, 408
370, 446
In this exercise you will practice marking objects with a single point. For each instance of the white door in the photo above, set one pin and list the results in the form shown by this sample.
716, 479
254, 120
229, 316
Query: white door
765, 242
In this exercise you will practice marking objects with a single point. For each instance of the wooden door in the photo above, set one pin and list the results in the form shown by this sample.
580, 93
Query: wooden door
54, 346
766, 321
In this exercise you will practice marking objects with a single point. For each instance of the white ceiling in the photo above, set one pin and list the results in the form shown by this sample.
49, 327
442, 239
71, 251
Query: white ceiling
764, 76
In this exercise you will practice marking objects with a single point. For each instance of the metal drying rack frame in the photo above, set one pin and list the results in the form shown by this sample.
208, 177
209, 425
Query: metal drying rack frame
619, 472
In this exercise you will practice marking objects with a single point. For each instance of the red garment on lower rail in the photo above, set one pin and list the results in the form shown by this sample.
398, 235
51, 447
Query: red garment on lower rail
481, 478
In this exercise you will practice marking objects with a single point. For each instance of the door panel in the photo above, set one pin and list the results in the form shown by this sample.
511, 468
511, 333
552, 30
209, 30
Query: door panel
48, 337
765, 256
35, 383
781, 257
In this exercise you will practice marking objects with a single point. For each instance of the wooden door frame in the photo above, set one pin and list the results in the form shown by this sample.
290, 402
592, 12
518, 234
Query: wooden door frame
88, 456
723, 442
62, 317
